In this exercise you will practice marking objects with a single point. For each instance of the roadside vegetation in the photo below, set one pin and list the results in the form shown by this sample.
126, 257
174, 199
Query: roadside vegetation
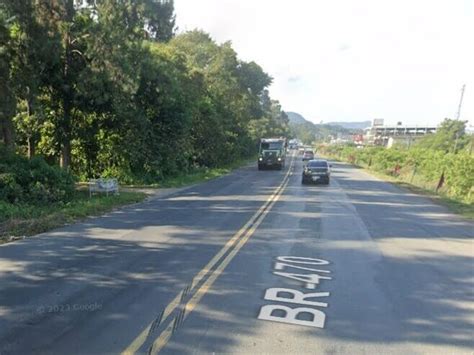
35, 197
441, 164
109, 90
197, 175
26, 219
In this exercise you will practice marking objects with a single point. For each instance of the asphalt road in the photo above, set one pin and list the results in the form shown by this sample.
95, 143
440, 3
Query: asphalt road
227, 267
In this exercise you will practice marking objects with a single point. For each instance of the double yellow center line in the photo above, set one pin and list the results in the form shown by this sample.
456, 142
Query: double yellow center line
212, 271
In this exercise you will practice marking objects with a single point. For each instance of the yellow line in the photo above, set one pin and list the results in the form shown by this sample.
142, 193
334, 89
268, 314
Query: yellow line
164, 337
141, 338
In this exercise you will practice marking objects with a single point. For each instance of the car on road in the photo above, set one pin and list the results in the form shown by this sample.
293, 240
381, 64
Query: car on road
316, 171
308, 155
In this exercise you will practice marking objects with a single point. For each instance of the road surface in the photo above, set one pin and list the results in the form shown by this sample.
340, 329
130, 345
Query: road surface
252, 262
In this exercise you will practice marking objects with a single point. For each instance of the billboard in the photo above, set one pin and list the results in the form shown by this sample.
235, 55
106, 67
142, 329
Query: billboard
377, 122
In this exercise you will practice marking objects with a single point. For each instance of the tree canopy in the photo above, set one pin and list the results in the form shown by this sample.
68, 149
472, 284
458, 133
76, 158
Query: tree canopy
450, 137
106, 87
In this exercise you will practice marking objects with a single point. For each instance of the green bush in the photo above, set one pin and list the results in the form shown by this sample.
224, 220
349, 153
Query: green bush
428, 165
460, 177
33, 181
10, 190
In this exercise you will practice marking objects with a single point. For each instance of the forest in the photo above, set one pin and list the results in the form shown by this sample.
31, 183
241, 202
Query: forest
108, 88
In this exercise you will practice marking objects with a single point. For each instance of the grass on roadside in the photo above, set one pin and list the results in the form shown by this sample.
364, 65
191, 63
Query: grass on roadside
459, 207
26, 220
17, 221
196, 176
454, 205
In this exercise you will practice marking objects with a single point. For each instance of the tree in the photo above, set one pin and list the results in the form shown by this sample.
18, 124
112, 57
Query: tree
30, 53
109, 90
273, 123
7, 101
66, 62
94, 57
230, 97
450, 137
129, 98
159, 19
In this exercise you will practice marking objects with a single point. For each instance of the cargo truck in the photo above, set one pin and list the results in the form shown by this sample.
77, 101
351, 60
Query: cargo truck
272, 153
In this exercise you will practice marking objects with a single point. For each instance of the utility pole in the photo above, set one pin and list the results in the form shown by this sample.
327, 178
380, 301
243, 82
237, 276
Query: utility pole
458, 115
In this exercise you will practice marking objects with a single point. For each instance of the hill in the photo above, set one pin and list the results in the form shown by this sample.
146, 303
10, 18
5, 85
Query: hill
296, 118
309, 132
352, 125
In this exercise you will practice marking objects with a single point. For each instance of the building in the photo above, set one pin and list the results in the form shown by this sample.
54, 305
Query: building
358, 139
387, 135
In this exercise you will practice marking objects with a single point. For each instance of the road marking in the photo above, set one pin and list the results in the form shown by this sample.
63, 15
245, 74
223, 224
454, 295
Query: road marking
281, 266
174, 304
302, 260
318, 318
164, 337
310, 280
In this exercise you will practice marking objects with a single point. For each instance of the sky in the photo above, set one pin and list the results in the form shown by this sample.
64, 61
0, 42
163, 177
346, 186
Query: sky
352, 60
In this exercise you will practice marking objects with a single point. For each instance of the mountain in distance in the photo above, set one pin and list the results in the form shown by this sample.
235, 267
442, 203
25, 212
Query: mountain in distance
308, 131
352, 125
296, 118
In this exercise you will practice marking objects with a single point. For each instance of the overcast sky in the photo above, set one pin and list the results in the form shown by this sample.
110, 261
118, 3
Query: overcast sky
352, 60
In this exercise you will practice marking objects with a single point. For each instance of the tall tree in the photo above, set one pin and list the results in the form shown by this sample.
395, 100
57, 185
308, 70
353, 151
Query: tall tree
159, 18
30, 47
450, 137
99, 84
58, 17
7, 101
273, 123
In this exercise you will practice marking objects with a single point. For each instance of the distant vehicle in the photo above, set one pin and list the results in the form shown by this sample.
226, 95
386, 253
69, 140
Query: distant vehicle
308, 155
316, 171
293, 144
272, 153
301, 150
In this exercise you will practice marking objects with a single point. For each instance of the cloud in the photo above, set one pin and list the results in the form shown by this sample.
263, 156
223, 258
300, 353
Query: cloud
344, 47
294, 79
402, 60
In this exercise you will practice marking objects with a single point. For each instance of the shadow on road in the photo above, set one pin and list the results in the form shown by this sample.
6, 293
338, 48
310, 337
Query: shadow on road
131, 263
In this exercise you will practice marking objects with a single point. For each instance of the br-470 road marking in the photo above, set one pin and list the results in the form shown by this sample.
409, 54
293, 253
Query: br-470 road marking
310, 280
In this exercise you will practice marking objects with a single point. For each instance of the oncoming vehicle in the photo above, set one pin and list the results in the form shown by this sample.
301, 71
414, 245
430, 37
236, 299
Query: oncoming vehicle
272, 153
308, 155
293, 144
316, 171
